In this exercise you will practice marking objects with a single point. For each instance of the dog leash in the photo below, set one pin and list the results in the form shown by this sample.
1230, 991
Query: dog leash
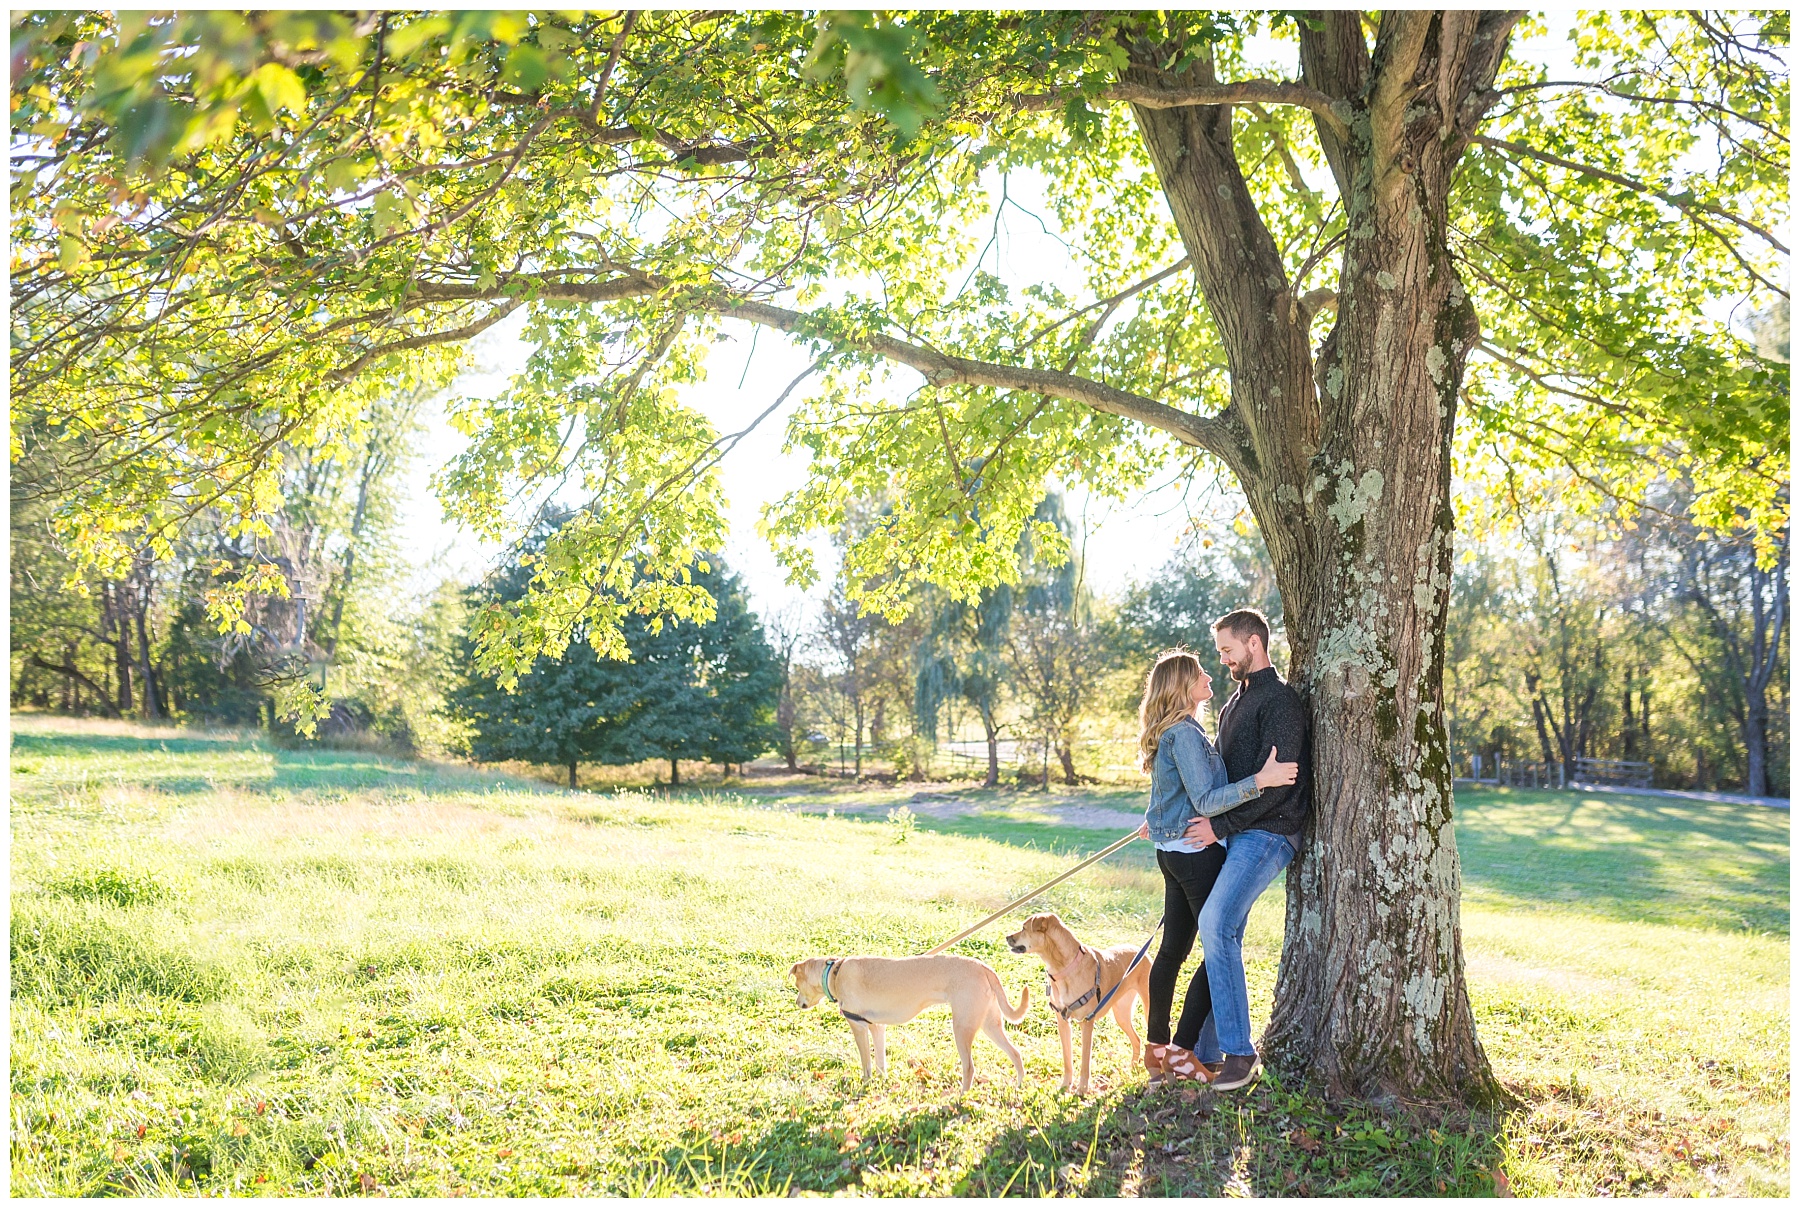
1054, 881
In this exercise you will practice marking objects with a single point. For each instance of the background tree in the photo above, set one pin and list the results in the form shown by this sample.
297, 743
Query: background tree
846, 638
1058, 651
786, 632
691, 691
962, 657
1287, 275
1743, 607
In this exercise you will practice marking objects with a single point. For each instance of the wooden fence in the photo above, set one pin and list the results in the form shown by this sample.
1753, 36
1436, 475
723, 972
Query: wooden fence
1613, 771
1536, 774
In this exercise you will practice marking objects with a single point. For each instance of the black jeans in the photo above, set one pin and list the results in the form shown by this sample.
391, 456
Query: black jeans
1187, 880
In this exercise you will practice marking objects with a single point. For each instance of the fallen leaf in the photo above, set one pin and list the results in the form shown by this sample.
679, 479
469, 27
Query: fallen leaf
367, 1180
503, 1153
1502, 1185
239, 1128
1306, 1140
261, 1106
140, 1130
119, 1152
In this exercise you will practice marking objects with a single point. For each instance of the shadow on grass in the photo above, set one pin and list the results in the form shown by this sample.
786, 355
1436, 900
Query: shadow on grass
300, 771
121, 744
1189, 1141
1630, 859
1185, 1142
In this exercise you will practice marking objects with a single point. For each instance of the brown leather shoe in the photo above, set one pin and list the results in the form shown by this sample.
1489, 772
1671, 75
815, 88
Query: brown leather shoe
1213, 1068
1239, 1071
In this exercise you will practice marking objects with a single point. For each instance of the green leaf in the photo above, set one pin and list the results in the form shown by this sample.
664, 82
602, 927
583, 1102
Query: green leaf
526, 68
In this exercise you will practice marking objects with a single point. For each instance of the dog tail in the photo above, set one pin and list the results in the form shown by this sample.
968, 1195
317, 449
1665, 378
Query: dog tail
1014, 1016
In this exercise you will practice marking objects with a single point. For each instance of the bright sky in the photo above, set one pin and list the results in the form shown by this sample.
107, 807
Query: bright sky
1122, 541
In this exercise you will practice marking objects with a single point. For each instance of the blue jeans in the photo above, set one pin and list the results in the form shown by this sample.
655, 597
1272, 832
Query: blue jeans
1252, 859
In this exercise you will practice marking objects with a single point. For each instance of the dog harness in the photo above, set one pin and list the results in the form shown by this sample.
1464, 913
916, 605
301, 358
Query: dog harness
825, 985
1066, 1012
1069, 1009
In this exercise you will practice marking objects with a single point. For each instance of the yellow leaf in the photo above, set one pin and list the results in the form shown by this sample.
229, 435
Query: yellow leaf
280, 87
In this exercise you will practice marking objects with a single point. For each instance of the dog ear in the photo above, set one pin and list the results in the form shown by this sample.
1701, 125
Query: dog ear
795, 971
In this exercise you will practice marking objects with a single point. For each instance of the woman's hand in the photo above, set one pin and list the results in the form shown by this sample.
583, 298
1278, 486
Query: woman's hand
1143, 830
1274, 774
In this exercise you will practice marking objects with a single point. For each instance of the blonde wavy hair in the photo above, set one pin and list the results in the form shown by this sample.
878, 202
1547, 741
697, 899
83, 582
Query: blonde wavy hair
1168, 697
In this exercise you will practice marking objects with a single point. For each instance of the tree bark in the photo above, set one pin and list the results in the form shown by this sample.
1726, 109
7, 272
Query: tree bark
1065, 753
113, 622
572, 767
152, 707
1756, 745
859, 732
1768, 611
674, 773
1346, 465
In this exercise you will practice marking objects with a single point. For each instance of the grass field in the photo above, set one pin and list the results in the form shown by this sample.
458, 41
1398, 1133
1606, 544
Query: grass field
242, 969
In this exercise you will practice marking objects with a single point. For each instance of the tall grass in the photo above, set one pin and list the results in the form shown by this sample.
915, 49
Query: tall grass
242, 969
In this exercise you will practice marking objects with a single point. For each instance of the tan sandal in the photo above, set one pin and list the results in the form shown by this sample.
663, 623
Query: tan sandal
1153, 1063
1180, 1065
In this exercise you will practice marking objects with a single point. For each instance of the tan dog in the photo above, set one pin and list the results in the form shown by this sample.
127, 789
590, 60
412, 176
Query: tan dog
876, 991
1072, 966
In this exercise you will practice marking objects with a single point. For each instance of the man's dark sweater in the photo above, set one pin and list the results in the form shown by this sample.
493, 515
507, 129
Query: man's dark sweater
1263, 713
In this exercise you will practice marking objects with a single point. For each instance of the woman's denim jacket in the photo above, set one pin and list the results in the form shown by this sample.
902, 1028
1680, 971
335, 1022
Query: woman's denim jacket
1187, 781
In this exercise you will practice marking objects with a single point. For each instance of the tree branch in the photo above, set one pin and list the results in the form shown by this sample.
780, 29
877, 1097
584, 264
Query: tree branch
38, 660
1686, 206
938, 368
1334, 58
1334, 115
942, 369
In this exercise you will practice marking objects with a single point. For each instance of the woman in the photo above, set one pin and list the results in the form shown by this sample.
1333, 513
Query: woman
1187, 781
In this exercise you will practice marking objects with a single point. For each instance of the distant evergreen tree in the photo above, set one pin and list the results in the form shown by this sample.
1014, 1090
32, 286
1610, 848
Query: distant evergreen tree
699, 692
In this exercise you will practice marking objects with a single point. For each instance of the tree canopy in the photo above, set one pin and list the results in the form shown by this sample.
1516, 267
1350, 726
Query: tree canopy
236, 230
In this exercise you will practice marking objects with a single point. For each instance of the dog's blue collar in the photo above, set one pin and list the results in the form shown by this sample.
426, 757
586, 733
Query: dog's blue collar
825, 981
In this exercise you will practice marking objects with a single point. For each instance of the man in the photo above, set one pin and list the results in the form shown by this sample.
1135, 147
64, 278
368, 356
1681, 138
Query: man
1261, 836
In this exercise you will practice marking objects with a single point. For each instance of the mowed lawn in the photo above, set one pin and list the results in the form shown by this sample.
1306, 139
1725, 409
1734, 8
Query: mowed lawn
248, 970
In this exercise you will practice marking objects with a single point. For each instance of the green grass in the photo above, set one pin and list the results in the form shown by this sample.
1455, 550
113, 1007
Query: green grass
242, 969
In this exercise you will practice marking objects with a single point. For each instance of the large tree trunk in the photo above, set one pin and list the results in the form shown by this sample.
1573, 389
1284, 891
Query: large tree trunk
1346, 464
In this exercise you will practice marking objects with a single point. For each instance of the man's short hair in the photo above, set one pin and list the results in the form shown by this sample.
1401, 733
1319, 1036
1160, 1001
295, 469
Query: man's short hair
1243, 623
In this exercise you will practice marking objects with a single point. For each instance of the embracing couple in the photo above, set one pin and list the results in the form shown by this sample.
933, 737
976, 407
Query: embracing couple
1225, 820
